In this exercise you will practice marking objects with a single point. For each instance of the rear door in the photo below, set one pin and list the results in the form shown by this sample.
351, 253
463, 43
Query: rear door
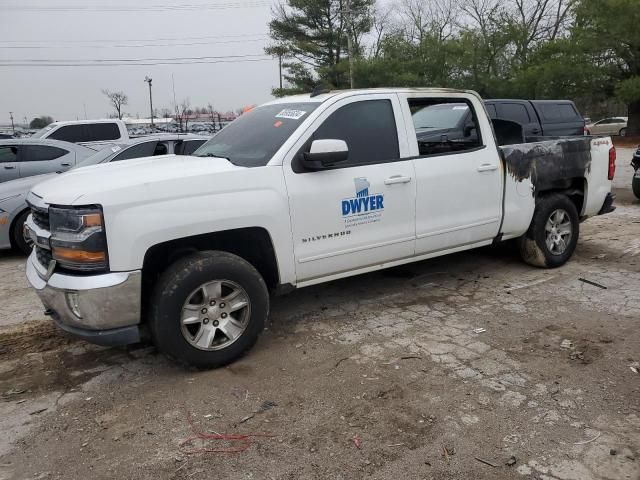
99, 133
9, 166
38, 159
459, 184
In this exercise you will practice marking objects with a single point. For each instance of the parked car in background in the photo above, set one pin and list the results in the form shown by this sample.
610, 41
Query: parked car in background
86, 132
14, 210
26, 157
609, 126
635, 182
545, 118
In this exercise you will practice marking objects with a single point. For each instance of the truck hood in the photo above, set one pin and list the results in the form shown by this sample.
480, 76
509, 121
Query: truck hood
76, 185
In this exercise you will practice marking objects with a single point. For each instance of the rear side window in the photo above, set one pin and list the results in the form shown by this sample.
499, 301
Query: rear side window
559, 112
42, 153
70, 133
369, 129
8, 153
145, 149
516, 112
187, 147
99, 132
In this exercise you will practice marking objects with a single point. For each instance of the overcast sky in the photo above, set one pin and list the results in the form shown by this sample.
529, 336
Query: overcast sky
83, 31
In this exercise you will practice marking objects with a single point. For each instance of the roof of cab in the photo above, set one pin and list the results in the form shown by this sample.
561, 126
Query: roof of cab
307, 97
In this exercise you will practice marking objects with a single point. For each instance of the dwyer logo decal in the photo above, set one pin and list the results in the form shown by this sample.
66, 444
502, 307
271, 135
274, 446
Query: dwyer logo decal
363, 202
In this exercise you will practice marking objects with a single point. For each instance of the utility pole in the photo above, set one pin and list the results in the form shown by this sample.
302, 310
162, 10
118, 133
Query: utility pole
349, 23
148, 80
280, 68
13, 128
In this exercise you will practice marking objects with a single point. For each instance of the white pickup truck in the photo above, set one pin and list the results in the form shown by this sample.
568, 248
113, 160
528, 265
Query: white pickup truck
299, 191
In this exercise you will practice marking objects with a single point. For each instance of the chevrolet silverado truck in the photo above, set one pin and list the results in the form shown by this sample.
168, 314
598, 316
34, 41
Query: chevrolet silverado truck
302, 190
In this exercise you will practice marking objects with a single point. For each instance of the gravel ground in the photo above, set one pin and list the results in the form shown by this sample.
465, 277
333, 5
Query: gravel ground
372, 376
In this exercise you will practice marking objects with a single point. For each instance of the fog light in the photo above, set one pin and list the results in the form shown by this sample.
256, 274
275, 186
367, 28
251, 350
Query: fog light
72, 303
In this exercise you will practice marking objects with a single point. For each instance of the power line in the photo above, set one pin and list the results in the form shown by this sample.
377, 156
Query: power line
168, 62
124, 60
218, 42
148, 8
120, 40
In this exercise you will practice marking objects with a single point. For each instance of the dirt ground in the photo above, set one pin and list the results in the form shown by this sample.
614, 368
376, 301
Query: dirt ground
470, 366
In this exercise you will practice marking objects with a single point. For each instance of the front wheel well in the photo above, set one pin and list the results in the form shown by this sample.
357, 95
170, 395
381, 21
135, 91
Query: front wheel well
253, 244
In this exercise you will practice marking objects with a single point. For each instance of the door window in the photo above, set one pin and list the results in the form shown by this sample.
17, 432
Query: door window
369, 129
187, 147
42, 153
8, 153
99, 132
70, 133
515, 112
444, 126
144, 149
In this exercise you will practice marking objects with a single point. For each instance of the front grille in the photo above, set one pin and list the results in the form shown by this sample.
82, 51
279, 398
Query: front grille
40, 218
44, 256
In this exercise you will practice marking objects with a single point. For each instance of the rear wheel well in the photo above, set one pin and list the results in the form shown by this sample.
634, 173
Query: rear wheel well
252, 244
574, 188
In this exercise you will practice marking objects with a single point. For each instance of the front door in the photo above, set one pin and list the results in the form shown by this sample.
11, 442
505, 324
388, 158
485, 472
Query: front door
459, 183
360, 213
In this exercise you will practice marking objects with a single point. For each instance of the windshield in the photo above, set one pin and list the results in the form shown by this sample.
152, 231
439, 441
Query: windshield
440, 116
40, 133
252, 139
99, 157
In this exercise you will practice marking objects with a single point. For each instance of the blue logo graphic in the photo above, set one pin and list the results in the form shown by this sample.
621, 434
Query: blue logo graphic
362, 203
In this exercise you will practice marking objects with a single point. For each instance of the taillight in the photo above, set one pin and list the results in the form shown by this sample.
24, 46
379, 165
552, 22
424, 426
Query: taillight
612, 162
585, 131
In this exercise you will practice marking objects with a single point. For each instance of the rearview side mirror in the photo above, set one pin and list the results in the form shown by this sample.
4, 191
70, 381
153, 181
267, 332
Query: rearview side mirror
325, 153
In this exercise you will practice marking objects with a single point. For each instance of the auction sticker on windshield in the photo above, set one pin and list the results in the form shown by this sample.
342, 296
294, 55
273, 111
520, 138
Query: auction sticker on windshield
291, 114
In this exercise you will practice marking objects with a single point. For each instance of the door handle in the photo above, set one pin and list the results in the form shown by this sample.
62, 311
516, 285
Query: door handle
9, 167
487, 167
397, 179
65, 164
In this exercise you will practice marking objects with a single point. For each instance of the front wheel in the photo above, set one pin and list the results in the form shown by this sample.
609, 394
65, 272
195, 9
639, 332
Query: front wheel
623, 132
635, 184
208, 309
553, 234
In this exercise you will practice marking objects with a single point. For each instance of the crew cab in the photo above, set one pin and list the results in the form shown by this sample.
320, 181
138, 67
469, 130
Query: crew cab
296, 192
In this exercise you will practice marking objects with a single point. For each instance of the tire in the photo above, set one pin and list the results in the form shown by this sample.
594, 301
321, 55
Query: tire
17, 236
635, 186
196, 277
622, 132
552, 209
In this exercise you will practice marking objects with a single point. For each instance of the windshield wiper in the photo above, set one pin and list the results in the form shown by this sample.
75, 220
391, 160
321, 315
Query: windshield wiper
213, 155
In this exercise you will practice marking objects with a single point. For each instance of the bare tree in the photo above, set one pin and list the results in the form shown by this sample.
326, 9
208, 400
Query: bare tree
117, 100
428, 17
380, 24
182, 114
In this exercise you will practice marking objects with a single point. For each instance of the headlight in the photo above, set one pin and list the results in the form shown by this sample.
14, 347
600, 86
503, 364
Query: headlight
78, 239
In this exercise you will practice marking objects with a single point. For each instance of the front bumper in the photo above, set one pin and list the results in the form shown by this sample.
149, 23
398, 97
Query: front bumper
102, 309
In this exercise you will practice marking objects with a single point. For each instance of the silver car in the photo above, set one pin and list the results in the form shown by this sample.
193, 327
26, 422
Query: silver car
13, 207
24, 157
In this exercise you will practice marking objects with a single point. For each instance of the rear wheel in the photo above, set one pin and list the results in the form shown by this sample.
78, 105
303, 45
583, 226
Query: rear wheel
209, 309
635, 184
623, 132
553, 234
20, 241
